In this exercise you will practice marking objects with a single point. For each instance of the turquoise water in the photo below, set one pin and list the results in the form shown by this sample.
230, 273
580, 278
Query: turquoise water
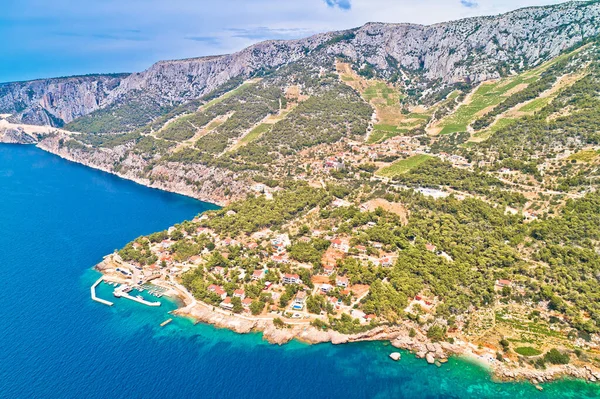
58, 219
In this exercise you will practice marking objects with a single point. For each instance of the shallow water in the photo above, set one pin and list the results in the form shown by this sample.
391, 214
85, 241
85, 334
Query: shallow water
58, 219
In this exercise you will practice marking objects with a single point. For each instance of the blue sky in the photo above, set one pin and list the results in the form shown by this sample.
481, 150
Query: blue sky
42, 38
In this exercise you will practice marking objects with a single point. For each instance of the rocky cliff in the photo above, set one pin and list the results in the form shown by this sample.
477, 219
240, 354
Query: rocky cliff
474, 49
56, 101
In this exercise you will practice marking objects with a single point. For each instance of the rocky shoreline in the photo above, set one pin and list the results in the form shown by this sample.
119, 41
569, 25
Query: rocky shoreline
398, 336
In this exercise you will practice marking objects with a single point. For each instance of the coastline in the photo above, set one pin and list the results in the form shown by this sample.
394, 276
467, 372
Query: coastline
434, 353
397, 335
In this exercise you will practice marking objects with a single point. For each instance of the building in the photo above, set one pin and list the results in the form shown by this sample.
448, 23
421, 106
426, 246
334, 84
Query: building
503, 283
226, 304
239, 294
328, 270
217, 289
246, 302
291, 279
341, 281
386, 262
258, 275
430, 247
299, 300
340, 245
325, 288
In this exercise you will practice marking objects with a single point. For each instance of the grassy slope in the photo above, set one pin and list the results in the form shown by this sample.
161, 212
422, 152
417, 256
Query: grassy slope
403, 166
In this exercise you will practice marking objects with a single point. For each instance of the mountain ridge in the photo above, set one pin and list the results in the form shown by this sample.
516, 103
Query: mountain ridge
437, 54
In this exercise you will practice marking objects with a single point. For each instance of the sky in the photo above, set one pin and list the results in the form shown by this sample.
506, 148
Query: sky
42, 38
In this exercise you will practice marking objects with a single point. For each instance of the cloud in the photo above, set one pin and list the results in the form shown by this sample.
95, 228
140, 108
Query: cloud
342, 4
125, 34
469, 3
263, 32
210, 40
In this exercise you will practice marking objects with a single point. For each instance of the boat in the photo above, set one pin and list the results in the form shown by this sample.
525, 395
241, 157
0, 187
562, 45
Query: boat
140, 297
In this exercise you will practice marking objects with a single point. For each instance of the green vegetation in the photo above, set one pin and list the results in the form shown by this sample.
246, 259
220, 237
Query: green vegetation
125, 114
403, 166
527, 351
256, 132
258, 212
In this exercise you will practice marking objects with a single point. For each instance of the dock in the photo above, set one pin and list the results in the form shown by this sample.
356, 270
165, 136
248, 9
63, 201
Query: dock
164, 323
122, 292
95, 298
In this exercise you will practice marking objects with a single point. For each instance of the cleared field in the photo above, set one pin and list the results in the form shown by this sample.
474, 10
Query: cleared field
256, 133
230, 93
403, 166
585, 155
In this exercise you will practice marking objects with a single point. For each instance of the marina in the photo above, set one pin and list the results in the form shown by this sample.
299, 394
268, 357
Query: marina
123, 292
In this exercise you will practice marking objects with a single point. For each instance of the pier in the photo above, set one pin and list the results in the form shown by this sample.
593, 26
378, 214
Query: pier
122, 292
95, 298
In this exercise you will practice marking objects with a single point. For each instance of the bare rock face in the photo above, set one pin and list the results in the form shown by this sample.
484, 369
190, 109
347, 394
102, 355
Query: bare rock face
55, 101
471, 49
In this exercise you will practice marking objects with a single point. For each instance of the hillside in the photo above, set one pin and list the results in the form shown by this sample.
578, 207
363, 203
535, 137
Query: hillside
436, 181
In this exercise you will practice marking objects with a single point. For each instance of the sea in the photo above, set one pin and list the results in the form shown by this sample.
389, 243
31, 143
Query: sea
58, 219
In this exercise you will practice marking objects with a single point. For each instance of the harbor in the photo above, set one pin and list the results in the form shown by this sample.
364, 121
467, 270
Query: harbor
123, 291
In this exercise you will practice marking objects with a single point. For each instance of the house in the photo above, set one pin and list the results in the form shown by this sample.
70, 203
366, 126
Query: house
217, 289
278, 247
229, 241
340, 245
280, 259
328, 270
137, 245
219, 270
166, 243
299, 299
334, 301
430, 247
239, 294
246, 302
503, 283
226, 304
195, 259
252, 245
361, 248
230, 213
341, 281
370, 317
258, 274
291, 279
326, 288
386, 262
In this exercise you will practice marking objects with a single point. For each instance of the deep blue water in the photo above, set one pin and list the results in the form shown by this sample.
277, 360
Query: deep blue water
58, 219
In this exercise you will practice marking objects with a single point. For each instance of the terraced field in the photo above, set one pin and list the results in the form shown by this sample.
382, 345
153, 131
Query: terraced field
490, 94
